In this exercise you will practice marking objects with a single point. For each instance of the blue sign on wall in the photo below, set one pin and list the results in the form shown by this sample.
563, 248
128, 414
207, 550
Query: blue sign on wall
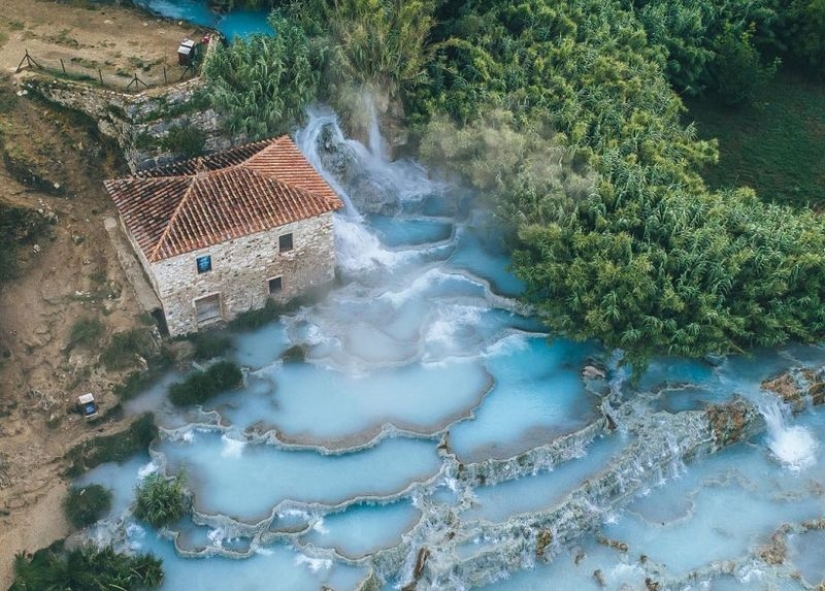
204, 263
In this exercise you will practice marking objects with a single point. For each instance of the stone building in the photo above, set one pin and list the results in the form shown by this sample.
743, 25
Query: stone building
221, 234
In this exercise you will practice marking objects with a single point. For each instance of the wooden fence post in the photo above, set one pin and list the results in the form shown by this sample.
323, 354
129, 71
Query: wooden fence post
62, 65
100, 75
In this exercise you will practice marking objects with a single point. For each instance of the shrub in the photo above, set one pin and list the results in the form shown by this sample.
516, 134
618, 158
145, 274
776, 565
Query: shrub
85, 505
185, 140
203, 385
85, 332
210, 345
111, 448
124, 348
256, 318
161, 501
85, 568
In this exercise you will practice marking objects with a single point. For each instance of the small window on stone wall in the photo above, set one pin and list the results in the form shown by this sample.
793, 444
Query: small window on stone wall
285, 242
204, 263
276, 285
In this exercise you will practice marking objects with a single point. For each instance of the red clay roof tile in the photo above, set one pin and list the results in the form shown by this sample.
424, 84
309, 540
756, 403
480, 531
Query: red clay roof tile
204, 201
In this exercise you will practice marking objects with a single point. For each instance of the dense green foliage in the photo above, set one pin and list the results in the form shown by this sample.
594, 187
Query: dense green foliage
692, 34
773, 145
262, 84
112, 448
374, 43
564, 115
804, 31
85, 569
203, 385
738, 71
86, 504
649, 260
161, 501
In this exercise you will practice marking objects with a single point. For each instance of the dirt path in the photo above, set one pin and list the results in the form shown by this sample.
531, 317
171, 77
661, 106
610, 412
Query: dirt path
71, 272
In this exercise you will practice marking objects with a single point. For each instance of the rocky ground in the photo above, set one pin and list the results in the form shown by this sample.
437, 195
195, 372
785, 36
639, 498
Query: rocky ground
53, 164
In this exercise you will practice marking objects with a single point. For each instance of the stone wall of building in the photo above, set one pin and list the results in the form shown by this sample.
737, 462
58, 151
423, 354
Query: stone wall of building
241, 270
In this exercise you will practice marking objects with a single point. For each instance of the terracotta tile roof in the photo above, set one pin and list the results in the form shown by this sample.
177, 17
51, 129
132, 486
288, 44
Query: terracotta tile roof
205, 201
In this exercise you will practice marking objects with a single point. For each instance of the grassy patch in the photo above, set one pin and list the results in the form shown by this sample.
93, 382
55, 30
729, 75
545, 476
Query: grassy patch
776, 145
203, 385
111, 448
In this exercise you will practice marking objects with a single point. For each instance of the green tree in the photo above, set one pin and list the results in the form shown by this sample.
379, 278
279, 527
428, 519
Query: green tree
737, 69
805, 31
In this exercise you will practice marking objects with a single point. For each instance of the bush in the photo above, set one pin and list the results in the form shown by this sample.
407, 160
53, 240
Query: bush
112, 448
161, 501
85, 568
185, 140
203, 385
253, 319
85, 505
124, 348
85, 332
210, 345
738, 71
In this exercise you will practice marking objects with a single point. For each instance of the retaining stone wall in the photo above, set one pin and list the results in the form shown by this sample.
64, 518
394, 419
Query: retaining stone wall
126, 117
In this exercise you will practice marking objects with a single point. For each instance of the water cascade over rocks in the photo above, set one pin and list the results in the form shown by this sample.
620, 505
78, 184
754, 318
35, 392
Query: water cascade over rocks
436, 438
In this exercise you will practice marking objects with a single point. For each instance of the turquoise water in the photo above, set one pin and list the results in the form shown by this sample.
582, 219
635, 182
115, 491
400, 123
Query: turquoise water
433, 413
238, 23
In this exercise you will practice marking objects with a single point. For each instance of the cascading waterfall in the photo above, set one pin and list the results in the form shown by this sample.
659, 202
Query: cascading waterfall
792, 445
309, 138
437, 438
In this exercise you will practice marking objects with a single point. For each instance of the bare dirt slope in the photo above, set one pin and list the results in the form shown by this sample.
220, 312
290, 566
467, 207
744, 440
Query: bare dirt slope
69, 272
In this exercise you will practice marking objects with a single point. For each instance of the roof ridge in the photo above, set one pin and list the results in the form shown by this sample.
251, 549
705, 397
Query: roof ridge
173, 218
270, 143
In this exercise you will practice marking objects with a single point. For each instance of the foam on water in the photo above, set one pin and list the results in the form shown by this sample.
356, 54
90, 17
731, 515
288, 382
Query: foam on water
232, 448
794, 445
